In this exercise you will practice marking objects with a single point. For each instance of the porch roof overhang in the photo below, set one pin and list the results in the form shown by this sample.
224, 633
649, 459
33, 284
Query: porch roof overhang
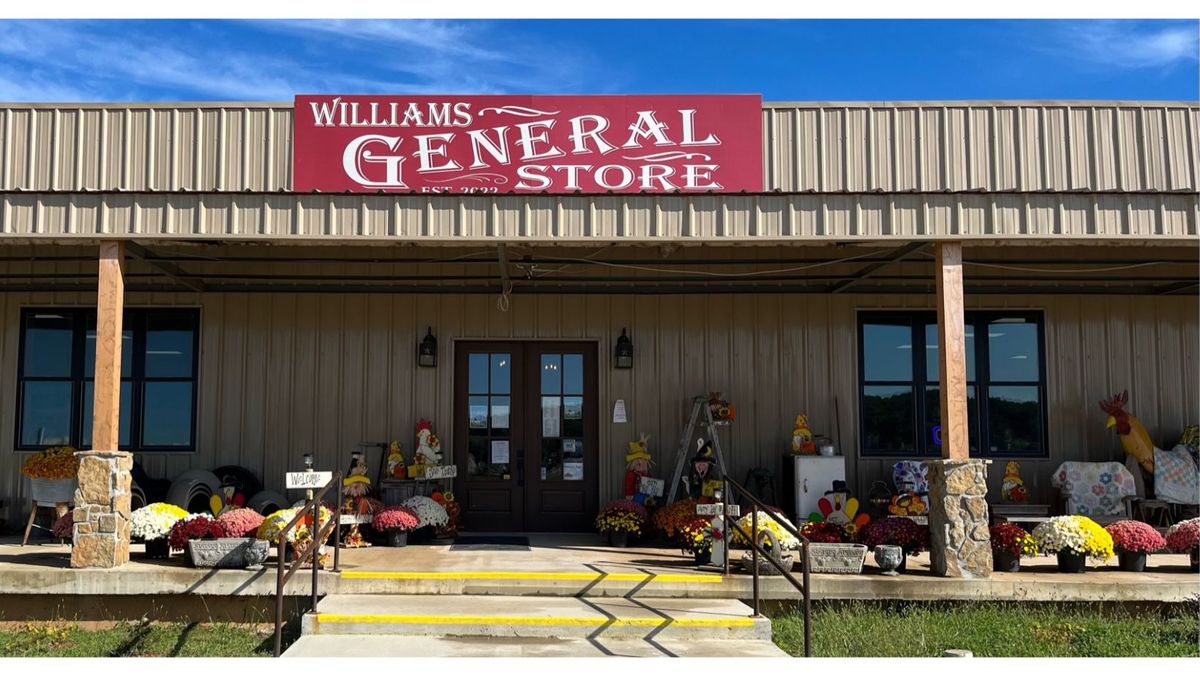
599, 219
613, 267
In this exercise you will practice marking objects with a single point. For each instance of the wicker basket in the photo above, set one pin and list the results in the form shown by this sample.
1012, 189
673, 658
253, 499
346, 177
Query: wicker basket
836, 557
52, 491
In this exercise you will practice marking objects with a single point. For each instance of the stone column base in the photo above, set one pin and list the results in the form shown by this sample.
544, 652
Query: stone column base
960, 544
101, 536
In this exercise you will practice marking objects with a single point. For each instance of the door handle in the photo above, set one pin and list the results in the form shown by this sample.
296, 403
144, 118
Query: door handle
805, 484
520, 468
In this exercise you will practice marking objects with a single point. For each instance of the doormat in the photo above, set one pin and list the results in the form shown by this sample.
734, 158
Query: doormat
490, 543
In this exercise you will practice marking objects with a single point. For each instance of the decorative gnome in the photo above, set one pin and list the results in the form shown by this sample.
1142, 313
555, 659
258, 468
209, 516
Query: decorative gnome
802, 436
637, 465
395, 462
1012, 487
702, 480
428, 445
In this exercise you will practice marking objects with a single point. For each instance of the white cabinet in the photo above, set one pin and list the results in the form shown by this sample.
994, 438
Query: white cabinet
806, 478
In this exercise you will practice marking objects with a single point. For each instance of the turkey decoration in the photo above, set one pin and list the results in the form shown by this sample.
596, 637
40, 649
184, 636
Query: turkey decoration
1134, 437
839, 508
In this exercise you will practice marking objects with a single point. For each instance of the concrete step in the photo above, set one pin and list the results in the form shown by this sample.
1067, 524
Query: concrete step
594, 582
541, 617
332, 645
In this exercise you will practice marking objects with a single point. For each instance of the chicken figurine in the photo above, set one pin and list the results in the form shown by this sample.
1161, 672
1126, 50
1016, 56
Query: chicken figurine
1012, 487
1134, 437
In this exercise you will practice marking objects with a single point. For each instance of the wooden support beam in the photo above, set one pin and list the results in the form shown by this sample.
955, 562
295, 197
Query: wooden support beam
952, 350
110, 310
868, 270
168, 268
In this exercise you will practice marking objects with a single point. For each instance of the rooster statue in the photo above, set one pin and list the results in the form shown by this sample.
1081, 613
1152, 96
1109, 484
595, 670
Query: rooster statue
1134, 437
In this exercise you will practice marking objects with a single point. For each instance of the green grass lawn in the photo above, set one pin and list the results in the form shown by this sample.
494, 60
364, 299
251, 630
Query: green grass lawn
991, 630
135, 639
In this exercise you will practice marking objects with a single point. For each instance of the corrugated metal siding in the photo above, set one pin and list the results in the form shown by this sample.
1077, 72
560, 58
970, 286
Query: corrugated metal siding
602, 218
916, 146
283, 374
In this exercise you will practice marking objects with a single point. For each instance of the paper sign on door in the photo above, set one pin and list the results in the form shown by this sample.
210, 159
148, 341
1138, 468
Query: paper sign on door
500, 452
573, 471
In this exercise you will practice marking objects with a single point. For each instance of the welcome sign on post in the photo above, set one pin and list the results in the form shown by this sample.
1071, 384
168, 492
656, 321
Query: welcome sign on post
501, 144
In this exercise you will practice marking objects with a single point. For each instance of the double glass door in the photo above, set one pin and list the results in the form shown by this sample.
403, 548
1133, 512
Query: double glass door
526, 435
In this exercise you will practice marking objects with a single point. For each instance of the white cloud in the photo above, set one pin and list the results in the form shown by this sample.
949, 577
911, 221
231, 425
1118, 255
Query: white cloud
1131, 44
76, 60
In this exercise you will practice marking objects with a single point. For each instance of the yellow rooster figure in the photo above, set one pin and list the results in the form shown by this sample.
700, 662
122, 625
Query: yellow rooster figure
1134, 437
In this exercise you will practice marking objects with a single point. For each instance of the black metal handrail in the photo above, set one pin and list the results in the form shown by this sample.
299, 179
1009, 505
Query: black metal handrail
801, 586
320, 535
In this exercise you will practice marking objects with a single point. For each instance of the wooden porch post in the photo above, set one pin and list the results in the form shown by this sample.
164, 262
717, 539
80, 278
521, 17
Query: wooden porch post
101, 531
960, 545
952, 350
110, 310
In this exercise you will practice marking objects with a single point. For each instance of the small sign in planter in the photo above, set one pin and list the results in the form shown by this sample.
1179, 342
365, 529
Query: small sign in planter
832, 557
228, 553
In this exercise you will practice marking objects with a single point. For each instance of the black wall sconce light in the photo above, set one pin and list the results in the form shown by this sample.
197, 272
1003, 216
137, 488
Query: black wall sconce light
623, 352
427, 350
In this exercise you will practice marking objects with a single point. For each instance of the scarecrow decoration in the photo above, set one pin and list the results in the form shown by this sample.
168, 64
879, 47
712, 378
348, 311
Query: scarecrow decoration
355, 487
637, 465
702, 481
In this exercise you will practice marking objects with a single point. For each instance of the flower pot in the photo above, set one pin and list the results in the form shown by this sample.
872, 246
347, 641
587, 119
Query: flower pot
1005, 562
52, 491
1131, 562
618, 538
1070, 562
703, 558
397, 538
1194, 559
890, 559
158, 548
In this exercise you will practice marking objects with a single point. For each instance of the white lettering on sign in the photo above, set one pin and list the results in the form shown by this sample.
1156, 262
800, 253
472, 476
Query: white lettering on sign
308, 479
441, 472
348, 519
717, 508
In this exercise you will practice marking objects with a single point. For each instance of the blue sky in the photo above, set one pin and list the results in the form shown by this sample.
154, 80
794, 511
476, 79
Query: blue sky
782, 60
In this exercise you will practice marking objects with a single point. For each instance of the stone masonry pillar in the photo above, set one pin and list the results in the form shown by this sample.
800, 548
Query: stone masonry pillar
960, 545
101, 536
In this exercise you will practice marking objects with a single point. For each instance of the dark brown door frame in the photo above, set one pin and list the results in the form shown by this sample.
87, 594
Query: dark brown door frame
481, 498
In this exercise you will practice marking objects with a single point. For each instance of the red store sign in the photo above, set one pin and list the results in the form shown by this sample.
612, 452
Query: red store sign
557, 144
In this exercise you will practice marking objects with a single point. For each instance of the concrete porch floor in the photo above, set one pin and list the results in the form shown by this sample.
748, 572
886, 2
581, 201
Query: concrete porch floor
578, 564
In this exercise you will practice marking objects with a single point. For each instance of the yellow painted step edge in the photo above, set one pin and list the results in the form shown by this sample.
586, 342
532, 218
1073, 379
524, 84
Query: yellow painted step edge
338, 618
524, 575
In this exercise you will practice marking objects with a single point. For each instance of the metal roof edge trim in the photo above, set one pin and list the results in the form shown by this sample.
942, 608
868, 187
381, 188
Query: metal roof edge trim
915, 103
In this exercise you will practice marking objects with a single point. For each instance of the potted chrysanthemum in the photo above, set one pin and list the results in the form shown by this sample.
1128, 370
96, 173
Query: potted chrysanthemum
430, 515
1184, 537
695, 536
152, 524
899, 531
1133, 540
396, 522
190, 528
240, 523
620, 520
1010, 542
1073, 539
52, 474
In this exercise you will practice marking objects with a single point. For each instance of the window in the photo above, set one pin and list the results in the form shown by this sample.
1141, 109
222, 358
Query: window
899, 389
158, 378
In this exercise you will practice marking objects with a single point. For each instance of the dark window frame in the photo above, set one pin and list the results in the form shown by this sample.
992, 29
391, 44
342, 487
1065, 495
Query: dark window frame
135, 321
979, 320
